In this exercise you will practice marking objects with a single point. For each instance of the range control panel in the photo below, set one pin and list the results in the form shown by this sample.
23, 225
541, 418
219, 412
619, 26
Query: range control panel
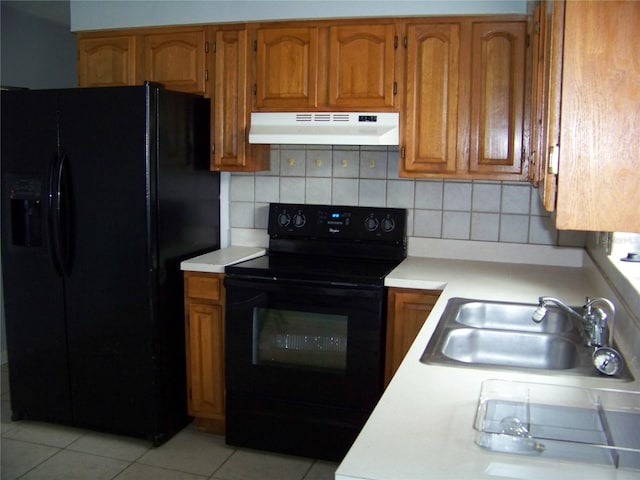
339, 222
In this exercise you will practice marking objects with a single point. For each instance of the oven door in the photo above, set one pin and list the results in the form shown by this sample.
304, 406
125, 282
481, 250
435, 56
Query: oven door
303, 342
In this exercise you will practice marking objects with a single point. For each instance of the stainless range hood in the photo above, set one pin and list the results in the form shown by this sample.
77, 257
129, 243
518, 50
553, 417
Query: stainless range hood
325, 128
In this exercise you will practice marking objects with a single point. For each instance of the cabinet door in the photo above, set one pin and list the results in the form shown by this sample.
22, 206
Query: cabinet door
177, 60
431, 103
498, 64
231, 106
550, 103
109, 61
361, 65
230, 99
287, 68
599, 165
205, 360
537, 88
407, 311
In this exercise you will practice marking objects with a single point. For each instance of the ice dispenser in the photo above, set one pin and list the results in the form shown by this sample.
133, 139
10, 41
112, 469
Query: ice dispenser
26, 210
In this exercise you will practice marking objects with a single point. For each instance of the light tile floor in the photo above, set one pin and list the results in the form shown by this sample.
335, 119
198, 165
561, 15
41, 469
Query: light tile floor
43, 451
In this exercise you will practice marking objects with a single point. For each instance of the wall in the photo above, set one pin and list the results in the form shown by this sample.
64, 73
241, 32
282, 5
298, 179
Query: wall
37, 50
95, 15
490, 211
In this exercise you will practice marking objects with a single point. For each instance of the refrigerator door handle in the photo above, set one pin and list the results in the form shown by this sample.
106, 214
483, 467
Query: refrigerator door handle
58, 191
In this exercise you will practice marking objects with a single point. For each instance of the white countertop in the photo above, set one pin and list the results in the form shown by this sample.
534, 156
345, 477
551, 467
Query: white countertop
214, 262
422, 428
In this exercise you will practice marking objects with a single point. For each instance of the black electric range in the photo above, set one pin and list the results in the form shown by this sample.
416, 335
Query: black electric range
305, 328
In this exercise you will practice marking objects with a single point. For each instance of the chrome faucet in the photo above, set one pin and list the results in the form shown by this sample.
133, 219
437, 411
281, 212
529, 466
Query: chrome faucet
593, 321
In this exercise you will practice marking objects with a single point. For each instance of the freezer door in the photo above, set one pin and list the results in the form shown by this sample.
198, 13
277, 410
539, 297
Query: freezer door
104, 135
33, 290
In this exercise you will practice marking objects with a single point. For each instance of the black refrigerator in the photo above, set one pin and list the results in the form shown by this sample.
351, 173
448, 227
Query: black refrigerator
104, 192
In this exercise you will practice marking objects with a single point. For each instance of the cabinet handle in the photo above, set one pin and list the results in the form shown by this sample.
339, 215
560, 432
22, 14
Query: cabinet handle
552, 166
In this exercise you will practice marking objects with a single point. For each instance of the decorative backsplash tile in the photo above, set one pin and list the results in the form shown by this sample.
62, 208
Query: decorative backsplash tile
492, 211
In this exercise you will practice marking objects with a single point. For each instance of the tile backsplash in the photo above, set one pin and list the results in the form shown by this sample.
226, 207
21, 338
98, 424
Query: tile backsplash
492, 211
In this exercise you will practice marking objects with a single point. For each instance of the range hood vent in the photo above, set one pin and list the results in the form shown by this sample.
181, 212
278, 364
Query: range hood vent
325, 128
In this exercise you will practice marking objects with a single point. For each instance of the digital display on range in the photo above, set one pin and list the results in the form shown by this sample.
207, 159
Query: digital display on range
338, 218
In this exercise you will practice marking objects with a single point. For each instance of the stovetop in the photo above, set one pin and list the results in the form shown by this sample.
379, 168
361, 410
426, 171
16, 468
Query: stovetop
309, 268
329, 243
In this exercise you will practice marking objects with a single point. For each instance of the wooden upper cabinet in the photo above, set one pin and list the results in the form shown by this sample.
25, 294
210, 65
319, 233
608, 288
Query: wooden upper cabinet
177, 59
337, 65
361, 65
231, 106
464, 98
107, 61
431, 98
498, 65
287, 68
599, 141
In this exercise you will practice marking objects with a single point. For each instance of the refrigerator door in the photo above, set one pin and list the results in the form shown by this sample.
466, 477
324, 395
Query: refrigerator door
105, 136
106, 178
33, 290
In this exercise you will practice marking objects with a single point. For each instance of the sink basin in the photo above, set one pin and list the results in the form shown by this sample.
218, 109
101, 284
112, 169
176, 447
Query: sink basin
511, 316
477, 333
514, 349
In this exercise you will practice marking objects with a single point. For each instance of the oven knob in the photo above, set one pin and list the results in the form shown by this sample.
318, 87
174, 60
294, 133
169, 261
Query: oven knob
371, 224
388, 224
299, 220
284, 219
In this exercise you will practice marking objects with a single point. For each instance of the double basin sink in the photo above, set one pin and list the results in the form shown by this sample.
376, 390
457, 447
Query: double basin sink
502, 334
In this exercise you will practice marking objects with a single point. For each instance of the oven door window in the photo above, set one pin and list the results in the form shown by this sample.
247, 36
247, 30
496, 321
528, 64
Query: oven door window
299, 339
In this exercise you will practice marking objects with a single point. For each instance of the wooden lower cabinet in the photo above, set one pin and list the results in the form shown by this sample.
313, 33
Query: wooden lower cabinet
407, 310
204, 332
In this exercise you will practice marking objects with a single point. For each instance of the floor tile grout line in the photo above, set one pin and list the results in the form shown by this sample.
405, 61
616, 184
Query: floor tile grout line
40, 463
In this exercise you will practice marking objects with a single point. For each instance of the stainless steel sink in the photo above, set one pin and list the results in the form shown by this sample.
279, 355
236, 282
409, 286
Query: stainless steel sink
512, 349
511, 316
477, 333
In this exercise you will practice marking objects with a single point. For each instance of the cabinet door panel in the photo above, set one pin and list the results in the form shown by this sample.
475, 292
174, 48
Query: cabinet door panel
361, 67
407, 311
107, 61
286, 70
497, 97
599, 125
230, 108
431, 114
205, 360
551, 92
176, 60
230, 102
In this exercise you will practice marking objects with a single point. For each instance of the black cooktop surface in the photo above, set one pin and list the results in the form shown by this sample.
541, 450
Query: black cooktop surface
312, 268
